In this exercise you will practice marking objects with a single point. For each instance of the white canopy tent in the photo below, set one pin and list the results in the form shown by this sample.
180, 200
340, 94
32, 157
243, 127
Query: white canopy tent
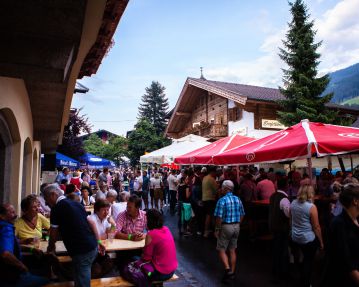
177, 148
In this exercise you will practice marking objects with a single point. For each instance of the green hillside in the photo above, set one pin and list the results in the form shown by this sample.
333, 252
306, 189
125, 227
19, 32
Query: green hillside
345, 85
353, 101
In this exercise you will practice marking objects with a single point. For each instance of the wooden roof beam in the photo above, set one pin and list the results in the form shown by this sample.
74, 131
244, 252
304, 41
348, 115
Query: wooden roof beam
184, 114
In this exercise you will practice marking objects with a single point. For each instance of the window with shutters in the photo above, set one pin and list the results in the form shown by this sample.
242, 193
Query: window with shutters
234, 114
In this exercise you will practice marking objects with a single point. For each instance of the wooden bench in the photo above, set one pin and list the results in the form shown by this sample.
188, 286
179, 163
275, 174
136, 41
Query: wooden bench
109, 282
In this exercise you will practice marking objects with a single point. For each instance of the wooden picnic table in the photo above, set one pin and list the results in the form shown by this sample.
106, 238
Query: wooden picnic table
110, 244
89, 209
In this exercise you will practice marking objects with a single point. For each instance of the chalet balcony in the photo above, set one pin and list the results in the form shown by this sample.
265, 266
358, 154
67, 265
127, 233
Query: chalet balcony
214, 131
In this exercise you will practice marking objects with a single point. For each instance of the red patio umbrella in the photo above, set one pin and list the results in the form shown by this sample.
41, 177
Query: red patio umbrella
204, 155
302, 140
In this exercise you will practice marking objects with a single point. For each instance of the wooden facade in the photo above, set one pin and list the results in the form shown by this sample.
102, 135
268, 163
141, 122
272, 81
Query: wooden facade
211, 109
209, 117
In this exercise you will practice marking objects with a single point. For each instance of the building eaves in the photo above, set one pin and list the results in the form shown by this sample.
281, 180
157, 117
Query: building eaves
250, 92
111, 17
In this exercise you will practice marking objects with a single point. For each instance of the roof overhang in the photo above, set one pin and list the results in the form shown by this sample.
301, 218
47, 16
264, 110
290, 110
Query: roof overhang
187, 98
45, 43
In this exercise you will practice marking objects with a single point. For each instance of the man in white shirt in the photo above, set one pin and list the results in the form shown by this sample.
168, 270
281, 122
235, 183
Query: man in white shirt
137, 185
118, 207
172, 185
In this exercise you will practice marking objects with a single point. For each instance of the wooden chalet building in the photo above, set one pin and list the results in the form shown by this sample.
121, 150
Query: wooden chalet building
217, 109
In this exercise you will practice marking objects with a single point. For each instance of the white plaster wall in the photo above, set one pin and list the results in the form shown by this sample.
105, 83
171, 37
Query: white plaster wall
242, 126
14, 100
245, 126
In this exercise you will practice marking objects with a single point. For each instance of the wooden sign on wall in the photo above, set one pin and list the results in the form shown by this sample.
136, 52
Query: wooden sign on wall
272, 124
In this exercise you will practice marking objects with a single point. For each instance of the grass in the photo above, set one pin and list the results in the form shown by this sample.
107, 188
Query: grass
353, 101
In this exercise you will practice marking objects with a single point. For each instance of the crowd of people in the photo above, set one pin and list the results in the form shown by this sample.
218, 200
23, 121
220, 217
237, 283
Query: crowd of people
303, 215
128, 204
59, 213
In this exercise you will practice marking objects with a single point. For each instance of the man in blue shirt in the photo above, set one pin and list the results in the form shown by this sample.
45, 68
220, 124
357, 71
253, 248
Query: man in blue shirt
12, 271
229, 213
64, 174
70, 219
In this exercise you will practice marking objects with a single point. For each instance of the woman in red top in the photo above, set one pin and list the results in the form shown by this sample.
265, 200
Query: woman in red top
76, 180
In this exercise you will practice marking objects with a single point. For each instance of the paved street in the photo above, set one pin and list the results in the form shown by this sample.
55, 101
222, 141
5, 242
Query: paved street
200, 266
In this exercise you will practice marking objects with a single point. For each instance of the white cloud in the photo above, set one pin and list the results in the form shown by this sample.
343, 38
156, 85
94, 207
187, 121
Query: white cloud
338, 27
339, 30
262, 71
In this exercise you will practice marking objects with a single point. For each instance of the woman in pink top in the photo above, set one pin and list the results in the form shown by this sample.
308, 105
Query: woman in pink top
159, 248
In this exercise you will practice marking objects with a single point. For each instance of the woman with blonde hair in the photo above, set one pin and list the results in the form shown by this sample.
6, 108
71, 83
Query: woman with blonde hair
306, 233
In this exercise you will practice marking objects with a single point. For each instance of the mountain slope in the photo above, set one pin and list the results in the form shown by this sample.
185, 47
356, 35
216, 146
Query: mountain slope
344, 83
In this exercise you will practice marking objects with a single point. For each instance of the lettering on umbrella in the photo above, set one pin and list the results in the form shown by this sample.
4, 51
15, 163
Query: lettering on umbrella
349, 135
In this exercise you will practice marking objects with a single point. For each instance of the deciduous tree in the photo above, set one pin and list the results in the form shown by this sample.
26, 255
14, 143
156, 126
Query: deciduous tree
72, 145
144, 139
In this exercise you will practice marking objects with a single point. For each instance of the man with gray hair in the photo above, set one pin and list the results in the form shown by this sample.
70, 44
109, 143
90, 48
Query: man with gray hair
70, 219
229, 213
118, 207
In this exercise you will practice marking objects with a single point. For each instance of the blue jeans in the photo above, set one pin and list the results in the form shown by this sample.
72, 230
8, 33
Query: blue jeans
157, 276
82, 268
27, 280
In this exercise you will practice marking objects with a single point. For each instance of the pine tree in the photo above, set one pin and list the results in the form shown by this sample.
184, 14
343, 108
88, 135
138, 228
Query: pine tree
154, 107
302, 87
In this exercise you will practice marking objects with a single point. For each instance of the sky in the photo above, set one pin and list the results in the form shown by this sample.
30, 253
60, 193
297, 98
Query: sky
233, 40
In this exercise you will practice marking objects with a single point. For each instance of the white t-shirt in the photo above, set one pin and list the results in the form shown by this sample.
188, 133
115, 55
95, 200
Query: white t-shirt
101, 226
117, 208
172, 180
136, 184
156, 183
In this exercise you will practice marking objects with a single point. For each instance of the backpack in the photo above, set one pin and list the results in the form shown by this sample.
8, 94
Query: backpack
138, 272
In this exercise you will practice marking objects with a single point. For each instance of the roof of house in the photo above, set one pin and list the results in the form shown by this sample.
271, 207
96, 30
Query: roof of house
80, 88
248, 91
356, 123
99, 132
236, 92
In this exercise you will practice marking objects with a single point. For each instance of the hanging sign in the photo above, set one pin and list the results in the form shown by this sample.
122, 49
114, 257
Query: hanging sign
272, 124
